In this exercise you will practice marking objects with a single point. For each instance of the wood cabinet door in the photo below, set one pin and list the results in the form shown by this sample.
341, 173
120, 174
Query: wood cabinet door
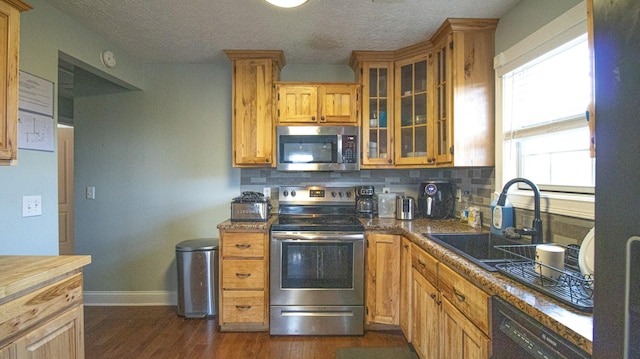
459, 338
377, 114
9, 44
253, 135
383, 278
405, 287
413, 111
62, 337
338, 103
297, 104
8, 352
425, 310
442, 133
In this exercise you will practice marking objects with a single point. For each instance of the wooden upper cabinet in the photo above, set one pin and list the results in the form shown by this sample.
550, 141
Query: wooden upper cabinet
9, 62
253, 138
297, 104
317, 103
374, 71
463, 120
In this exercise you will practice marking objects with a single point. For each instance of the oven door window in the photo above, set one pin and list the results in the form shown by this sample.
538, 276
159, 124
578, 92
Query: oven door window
308, 149
317, 265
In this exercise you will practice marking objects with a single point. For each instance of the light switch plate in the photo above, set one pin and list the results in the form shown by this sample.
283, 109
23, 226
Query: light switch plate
31, 206
91, 193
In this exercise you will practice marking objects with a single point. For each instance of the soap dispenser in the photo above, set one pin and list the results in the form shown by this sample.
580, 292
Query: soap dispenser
501, 216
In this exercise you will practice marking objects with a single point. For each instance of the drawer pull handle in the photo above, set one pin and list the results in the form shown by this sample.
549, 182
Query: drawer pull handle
459, 295
243, 307
243, 246
243, 275
422, 264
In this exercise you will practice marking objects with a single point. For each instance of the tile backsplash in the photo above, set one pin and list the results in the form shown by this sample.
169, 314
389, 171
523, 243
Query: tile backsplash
477, 182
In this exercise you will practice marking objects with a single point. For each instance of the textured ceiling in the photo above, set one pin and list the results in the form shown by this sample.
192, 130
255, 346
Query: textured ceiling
318, 32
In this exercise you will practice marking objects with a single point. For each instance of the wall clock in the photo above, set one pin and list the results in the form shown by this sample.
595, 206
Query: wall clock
108, 58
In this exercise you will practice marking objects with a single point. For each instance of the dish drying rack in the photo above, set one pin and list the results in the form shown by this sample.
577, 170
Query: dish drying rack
571, 287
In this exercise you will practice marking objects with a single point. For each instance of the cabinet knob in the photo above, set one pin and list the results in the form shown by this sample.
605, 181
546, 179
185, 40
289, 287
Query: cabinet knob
313, 118
322, 119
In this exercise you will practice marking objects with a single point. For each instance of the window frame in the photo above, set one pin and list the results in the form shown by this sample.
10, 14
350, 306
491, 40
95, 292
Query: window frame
566, 27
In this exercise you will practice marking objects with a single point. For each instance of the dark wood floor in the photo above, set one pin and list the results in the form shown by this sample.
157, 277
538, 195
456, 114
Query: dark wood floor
157, 332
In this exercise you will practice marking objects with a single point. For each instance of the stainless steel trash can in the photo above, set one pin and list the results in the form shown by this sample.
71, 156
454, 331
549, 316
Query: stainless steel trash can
197, 262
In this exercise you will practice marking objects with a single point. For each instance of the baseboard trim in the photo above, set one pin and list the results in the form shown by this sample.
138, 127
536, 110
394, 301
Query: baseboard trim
118, 298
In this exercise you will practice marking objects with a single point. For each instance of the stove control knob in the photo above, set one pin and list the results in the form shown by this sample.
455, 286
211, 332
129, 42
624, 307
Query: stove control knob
333, 194
285, 193
340, 194
293, 193
348, 194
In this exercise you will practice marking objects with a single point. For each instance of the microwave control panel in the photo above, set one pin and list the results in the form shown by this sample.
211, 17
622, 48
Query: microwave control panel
350, 149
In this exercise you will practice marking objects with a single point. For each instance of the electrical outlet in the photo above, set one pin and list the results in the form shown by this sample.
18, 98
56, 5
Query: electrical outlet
31, 206
266, 191
459, 195
386, 190
91, 193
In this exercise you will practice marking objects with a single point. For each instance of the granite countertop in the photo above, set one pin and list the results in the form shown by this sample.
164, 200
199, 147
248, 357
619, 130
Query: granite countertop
574, 325
22, 272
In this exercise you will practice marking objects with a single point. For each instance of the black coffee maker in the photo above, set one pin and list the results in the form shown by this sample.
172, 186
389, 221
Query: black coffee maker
436, 199
366, 202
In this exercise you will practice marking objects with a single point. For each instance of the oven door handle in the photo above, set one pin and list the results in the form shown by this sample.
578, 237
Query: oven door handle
318, 236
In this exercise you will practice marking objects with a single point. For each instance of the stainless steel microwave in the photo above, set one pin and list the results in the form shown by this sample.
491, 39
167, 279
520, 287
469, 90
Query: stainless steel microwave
318, 148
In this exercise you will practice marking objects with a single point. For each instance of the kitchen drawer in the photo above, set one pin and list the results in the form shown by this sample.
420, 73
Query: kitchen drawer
243, 274
243, 244
424, 263
464, 295
243, 306
31, 309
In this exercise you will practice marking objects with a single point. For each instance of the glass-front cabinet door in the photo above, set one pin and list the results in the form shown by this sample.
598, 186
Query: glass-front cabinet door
413, 111
377, 80
443, 103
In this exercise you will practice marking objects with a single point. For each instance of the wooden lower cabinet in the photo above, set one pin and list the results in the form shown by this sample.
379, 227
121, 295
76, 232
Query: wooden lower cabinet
45, 323
405, 287
383, 279
62, 337
244, 286
450, 315
459, 338
425, 316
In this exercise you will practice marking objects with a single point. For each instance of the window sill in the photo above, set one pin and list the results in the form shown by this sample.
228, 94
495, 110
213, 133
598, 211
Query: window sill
571, 205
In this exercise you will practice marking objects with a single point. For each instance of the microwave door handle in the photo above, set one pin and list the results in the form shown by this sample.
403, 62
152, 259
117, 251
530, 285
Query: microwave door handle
340, 159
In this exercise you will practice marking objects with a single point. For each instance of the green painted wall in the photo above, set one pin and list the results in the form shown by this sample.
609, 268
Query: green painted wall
44, 32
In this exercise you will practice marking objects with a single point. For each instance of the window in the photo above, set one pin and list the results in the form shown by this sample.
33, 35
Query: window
543, 90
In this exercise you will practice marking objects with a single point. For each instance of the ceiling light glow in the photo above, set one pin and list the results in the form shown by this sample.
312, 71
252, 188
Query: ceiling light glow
286, 3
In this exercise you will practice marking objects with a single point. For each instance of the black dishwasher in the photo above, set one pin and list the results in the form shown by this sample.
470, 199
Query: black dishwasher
517, 335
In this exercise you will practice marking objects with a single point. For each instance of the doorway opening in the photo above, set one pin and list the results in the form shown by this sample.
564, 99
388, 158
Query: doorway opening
75, 80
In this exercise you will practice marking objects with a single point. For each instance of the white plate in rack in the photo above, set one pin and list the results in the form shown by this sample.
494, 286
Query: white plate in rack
586, 253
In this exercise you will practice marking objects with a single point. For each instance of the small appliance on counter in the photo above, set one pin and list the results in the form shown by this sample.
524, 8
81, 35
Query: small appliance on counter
405, 208
436, 199
250, 207
366, 202
387, 205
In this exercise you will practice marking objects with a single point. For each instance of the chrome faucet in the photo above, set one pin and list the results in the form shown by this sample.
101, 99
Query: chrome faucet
536, 231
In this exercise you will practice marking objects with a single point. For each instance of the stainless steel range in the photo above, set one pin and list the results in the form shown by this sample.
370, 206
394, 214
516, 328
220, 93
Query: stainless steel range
317, 263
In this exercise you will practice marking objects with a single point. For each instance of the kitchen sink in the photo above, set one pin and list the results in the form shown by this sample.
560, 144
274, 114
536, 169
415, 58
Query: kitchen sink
476, 247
